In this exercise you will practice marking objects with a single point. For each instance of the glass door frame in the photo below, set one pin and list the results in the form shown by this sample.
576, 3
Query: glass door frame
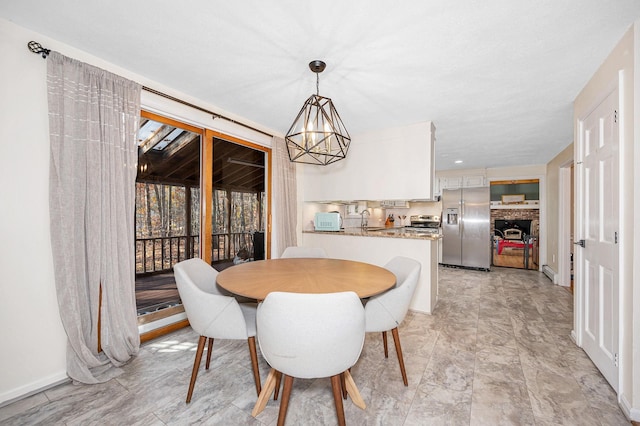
206, 205
206, 185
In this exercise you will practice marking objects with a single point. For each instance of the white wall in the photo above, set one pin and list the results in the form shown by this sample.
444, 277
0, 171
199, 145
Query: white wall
33, 340
632, 319
553, 207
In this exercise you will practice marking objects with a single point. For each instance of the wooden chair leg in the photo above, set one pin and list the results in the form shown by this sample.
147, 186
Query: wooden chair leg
396, 340
337, 398
284, 402
265, 393
196, 366
254, 363
343, 385
384, 342
276, 392
209, 351
353, 391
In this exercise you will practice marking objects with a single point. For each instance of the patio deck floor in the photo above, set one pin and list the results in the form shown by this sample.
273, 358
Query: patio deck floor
156, 292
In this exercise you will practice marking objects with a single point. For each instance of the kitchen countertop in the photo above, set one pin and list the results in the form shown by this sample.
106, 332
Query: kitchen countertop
398, 232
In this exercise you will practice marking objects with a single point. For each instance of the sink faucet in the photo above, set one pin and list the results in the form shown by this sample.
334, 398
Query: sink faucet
364, 222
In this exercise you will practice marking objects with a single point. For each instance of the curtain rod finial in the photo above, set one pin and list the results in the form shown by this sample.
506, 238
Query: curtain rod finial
36, 47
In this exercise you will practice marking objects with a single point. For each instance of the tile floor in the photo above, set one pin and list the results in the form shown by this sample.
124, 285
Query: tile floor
496, 351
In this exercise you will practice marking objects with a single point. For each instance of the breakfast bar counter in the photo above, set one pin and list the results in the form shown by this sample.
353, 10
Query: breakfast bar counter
381, 245
398, 232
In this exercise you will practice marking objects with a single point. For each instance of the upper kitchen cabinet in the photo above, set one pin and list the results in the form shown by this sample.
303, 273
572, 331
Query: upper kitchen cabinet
456, 182
474, 181
450, 182
389, 164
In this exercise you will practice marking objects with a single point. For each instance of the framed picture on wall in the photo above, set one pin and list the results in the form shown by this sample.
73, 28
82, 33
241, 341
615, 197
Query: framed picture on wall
513, 199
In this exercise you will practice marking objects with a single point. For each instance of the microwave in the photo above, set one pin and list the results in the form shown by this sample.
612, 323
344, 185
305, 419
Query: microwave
331, 221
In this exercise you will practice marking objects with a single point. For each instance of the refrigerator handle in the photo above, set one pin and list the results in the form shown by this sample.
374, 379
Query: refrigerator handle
461, 220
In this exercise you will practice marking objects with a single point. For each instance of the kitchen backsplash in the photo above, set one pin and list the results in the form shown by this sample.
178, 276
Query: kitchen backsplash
377, 215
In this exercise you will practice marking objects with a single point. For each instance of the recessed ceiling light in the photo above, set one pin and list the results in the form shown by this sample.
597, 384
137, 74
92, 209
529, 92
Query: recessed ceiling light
458, 161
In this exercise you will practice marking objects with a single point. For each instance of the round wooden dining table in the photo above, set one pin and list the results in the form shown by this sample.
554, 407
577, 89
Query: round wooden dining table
257, 279
305, 275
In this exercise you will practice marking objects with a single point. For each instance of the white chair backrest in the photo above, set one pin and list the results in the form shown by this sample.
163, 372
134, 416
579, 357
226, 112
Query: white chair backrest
210, 314
387, 311
203, 275
311, 335
304, 252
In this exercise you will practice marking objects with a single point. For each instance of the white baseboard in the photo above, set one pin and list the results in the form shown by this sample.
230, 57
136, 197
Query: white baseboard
550, 273
45, 383
631, 413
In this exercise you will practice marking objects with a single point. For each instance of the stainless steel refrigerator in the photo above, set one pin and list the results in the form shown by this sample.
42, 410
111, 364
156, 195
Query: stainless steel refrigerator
465, 228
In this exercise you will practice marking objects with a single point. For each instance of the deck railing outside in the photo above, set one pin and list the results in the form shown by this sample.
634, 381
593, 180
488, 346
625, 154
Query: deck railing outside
159, 254
224, 247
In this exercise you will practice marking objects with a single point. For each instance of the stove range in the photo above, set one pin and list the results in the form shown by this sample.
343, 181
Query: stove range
423, 223
419, 230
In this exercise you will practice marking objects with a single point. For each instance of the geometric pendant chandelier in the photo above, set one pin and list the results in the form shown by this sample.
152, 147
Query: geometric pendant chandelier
317, 135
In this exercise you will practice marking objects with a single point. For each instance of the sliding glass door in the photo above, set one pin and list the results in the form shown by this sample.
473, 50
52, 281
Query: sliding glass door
239, 205
199, 193
167, 210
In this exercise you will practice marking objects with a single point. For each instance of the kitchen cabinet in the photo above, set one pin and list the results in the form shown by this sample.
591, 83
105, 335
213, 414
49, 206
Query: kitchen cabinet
389, 164
397, 204
450, 182
457, 182
474, 181
436, 188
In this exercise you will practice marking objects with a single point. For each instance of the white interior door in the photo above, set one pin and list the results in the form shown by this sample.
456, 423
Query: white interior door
598, 228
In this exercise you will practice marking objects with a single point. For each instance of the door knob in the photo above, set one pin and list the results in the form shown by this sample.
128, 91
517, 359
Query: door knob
579, 243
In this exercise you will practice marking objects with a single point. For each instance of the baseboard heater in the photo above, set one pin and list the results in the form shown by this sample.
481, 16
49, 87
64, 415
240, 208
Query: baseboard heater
550, 273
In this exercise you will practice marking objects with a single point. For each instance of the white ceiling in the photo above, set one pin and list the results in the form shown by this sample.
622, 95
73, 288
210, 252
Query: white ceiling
497, 77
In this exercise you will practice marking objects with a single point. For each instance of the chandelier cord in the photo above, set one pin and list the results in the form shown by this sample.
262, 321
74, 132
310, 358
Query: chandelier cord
317, 84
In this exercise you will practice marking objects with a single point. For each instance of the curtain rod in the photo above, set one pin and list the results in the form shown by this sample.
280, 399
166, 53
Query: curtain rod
37, 48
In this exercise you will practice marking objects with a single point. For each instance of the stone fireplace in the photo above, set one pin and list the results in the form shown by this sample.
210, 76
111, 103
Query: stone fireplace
525, 221
517, 216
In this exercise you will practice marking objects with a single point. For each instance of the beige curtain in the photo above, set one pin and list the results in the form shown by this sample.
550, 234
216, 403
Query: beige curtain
285, 201
93, 122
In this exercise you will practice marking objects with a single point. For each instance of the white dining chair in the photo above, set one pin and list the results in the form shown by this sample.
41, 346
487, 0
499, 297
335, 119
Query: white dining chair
294, 251
213, 315
311, 336
386, 311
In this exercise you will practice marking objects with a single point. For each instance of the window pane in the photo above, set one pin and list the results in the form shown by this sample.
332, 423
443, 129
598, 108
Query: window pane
244, 212
160, 210
220, 211
167, 217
